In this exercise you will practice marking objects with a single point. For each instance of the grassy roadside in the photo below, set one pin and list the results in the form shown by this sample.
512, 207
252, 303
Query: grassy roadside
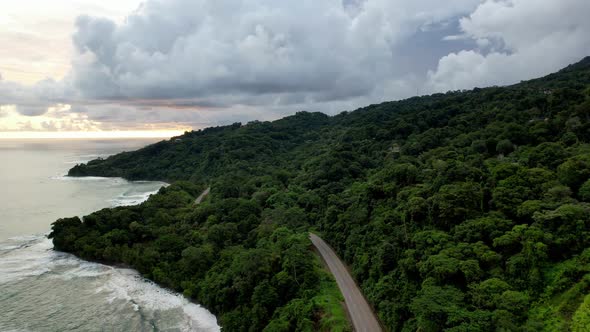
330, 301
565, 304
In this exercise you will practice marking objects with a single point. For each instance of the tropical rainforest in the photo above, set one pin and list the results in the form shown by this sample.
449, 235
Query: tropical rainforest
461, 211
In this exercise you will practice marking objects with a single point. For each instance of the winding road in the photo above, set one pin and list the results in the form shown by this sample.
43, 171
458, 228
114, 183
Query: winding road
362, 316
202, 196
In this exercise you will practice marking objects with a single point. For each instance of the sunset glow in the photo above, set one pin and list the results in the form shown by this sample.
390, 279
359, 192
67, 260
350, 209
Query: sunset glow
91, 134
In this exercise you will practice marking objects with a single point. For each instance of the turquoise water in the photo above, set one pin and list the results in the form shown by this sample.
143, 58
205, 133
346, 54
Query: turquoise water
45, 290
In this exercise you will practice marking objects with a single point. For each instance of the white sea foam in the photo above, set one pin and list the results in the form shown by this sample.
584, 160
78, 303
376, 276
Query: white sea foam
84, 270
133, 196
90, 178
30, 258
142, 294
200, 319
35, 258
131, 199
25, 238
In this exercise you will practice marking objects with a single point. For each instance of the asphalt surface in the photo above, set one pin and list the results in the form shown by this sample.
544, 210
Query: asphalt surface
362, 316
202, 195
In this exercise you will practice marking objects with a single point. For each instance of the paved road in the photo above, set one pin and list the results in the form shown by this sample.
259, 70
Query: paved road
362, 316
202, 195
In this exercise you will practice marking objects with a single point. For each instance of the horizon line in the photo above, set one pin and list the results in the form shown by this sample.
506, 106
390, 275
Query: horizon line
91, 134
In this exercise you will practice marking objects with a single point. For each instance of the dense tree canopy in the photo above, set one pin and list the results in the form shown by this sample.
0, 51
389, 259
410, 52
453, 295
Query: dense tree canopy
464, 211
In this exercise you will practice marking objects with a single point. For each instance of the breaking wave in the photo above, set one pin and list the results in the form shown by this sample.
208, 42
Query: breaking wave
30, 268
45, 290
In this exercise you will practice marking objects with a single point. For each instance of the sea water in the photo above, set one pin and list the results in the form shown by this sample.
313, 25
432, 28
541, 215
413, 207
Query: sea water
45, 290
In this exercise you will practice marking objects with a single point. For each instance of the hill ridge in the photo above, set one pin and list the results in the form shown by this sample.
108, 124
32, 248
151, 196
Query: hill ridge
467, 210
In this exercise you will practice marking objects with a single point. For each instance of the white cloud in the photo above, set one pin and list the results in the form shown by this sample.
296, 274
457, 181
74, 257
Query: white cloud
313, 50
34, 100
518, 39
56, 118
36, 35
202, 62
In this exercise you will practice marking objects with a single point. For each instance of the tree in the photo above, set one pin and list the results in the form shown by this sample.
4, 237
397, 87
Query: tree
455, 203
505, 147
584, 192
575, 171
435, 306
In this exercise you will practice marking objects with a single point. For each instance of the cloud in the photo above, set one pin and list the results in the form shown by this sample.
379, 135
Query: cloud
6, 110
34, 100
226, 60
201, 62
300, 50
518, 39
56, 118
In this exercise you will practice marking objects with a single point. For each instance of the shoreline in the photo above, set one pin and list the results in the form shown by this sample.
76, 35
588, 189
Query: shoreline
34, 261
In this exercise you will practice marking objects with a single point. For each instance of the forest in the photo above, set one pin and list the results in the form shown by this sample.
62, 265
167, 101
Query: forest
462, 211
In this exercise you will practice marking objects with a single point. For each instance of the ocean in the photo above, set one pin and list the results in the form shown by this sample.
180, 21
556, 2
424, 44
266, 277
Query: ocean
45, 290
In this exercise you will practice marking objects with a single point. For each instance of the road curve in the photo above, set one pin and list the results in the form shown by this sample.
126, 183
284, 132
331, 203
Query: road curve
362, 316
202, 196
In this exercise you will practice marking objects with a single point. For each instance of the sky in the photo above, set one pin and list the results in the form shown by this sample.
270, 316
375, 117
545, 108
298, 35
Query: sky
158, 67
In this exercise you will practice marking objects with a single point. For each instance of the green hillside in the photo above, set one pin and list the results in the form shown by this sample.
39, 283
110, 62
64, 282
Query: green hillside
463, 211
